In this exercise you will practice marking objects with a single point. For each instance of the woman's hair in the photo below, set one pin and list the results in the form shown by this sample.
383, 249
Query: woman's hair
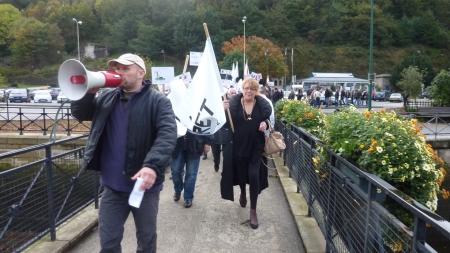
252, 83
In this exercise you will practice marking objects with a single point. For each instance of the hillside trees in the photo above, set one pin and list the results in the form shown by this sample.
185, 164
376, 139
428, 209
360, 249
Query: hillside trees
35, 44
255, 53
9, 15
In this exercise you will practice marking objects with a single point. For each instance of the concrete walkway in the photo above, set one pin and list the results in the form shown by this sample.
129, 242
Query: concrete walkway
216, 225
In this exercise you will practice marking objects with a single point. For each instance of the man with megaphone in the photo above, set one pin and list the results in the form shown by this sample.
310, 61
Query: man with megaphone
132, 138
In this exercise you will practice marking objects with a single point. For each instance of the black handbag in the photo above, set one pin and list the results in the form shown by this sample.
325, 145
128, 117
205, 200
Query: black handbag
222, 136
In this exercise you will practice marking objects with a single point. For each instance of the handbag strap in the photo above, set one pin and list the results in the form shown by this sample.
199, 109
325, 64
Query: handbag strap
271, 129
262, 160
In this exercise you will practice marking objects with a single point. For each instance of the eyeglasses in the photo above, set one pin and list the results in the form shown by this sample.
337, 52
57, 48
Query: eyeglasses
249, 89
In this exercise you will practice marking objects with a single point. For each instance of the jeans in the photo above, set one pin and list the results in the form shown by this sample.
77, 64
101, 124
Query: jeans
346, 101
188, 182
326, 101
358, 101
114, 211
317, 103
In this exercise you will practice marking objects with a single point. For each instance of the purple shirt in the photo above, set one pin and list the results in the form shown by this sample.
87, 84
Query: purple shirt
114, 147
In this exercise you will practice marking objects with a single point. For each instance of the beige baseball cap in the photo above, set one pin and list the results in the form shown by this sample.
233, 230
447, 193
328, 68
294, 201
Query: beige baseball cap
128, 59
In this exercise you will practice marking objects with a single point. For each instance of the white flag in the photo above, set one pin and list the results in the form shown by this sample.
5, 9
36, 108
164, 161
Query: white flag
202, 105
234, 74
176, 95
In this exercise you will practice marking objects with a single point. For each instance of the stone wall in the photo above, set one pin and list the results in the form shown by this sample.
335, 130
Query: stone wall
14, 141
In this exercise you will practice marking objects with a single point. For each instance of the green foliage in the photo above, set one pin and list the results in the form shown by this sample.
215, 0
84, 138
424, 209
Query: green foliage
14, 85
440, 91
411, 82
423, 64
303, 115
8, 17
389, 147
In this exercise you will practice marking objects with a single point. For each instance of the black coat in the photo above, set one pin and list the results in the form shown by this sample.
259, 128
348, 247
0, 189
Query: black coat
229, 176
152, 131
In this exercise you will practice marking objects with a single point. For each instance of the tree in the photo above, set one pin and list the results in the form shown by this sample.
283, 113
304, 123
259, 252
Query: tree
422, 62
9, 15
255, 53
440, 90
148, 41
411, 82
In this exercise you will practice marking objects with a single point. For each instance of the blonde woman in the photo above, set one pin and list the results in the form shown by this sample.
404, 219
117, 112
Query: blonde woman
250, 113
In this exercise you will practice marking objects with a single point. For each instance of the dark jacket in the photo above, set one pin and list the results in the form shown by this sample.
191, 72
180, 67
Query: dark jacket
229, 169
152, 131
328, 93
195, 144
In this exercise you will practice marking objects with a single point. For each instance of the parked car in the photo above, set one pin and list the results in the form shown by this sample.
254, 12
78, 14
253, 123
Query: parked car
425, 94
42, 96
19, 96
61, 98
382, 96
32, 92
396, 97
54, 92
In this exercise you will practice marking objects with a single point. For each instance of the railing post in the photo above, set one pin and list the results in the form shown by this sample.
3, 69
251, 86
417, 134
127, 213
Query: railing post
51, 204
420, 230
43, 116
68, 122
20, 121
372, 193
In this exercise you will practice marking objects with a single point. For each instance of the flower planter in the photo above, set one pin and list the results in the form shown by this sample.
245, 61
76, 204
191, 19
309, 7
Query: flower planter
362, 183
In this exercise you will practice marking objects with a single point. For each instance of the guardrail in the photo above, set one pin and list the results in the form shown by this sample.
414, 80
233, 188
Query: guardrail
37, 197
350, 205
32, 118
435, 124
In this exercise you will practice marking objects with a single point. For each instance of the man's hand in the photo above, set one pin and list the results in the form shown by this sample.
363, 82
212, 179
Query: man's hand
93, 90
148, 176
206, 148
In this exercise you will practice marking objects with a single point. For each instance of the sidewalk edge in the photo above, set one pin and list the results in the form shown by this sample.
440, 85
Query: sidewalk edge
312, 237
68, 233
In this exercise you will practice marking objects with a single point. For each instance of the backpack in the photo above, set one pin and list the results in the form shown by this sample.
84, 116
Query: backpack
313, 94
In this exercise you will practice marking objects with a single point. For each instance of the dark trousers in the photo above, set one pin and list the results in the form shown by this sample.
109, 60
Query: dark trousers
248, 172
216, 148
113, 213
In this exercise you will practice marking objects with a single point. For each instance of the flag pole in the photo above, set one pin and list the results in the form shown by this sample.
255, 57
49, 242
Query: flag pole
224, 95
185, 64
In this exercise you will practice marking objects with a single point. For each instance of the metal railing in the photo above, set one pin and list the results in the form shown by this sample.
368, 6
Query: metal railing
37, 197
351, 206
433, 124
33, 118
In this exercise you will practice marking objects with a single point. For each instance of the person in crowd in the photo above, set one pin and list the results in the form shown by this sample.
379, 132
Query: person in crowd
219, 142
299, 94
357, 95
405, 99
348, 96
133, 135
364, 97
250, 113
336, 97
281, 94
309, 92
263, 94
343, 96
317, 95
291, 95
276, 96
187, 154
328, 94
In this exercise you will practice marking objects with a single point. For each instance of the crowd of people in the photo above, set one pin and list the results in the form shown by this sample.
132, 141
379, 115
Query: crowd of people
134, 136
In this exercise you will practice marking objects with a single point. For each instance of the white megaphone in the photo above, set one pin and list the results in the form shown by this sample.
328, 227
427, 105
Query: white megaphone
75, 80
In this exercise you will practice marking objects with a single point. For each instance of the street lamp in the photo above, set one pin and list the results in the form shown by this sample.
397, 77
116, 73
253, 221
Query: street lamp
369, 100
162, 52
267, 61
78, 35
243, 21
414, 61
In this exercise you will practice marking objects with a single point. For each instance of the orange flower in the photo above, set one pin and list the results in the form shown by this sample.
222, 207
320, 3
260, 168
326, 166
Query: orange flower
310, 114
421, 126
370, 150
414, 121
368, 115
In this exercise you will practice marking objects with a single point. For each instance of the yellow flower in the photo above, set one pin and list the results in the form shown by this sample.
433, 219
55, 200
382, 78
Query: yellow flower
362, 145
282, 112
300, 119
383, 162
